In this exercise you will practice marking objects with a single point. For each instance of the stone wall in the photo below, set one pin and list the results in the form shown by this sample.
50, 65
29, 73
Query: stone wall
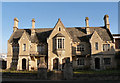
59, 76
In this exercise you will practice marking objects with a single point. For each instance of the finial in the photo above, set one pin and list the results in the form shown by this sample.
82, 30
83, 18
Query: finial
59, 19
16, 19
86, 18
33, 20
106, 16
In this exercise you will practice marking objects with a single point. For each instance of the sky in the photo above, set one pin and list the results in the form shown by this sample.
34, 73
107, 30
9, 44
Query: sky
46, 14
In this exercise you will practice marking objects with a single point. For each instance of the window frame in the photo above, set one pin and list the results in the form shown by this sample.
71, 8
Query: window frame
106, 47
60, 43
40, 48
59, 29
80, 47
15, 49
106, 61
96, 46
24, 47
81, 61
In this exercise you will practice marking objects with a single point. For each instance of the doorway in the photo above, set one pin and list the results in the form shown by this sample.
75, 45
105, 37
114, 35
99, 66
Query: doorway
23, 64
55, 64
97, 63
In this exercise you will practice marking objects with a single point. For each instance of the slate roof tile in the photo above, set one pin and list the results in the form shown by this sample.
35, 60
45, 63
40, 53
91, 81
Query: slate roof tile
78, 34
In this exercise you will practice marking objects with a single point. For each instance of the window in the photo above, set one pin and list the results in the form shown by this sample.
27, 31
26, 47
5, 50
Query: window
96, 45
80, 47
54, 44
60, 43
39, 48
59, 29
24, 47
14, 60
15, 49
80, 61
118, 46
42, 48
107, 61
106, 47
63, 43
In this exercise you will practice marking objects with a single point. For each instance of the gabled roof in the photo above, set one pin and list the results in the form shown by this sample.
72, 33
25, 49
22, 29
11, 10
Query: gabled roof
34, 39
102, 32
78, 34
43, 33
16, 36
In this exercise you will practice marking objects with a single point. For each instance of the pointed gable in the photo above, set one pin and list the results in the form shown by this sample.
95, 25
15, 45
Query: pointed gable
59, 28
95, 34
25, 36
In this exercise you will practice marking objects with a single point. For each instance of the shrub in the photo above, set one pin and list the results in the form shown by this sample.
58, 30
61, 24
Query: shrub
13, 68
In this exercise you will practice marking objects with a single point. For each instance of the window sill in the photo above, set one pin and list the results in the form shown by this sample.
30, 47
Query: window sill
60, 49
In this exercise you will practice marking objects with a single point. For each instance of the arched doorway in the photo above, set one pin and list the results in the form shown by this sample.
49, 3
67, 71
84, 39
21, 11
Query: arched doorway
4, 64
97, 63
24, 64
55, 63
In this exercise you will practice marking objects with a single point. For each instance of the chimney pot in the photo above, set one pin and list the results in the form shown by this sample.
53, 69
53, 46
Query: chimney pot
106, 21
87, 25
33, 20
87, 21
15, 24
33, 23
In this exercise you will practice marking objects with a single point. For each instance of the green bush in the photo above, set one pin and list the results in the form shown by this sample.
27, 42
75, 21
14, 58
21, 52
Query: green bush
13, 68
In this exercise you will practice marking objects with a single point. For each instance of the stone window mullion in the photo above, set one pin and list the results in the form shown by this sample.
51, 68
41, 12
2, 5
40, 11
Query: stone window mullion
57, 43
62, 43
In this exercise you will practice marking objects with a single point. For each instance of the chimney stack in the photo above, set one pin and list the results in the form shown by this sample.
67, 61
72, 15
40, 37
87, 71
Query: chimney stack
106, 21
87, 21
87, 25
33, 23
33, 27
15, 24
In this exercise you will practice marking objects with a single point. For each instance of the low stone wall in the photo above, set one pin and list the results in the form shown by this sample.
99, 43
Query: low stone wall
59, 76
96, 77
19, 75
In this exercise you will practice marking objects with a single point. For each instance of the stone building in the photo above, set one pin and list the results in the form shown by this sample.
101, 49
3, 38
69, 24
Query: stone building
85, 47
117, 49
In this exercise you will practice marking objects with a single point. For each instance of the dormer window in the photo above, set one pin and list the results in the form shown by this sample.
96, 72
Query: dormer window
96, 45
106, 47
40, 48
24, 47
80, 47
15, 49
59, 41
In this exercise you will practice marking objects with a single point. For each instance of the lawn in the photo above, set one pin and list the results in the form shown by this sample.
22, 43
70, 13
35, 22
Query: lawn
97, 72
75, 72
14, 71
